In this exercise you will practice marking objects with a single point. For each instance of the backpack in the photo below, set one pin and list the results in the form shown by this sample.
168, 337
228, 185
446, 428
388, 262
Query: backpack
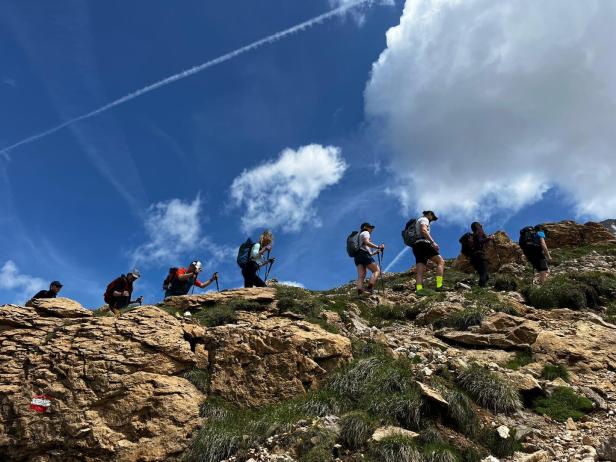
467, 244
108, 295
528, 238
409, 233
352, 244
243, 254
170, 277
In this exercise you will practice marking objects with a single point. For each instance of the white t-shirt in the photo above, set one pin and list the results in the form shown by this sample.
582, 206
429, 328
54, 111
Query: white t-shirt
364, 235
418, 223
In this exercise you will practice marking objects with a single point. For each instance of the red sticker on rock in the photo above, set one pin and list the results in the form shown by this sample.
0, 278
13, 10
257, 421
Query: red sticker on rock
40, 403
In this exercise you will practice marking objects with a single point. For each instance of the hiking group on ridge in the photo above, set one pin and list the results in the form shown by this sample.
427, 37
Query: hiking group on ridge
252, 256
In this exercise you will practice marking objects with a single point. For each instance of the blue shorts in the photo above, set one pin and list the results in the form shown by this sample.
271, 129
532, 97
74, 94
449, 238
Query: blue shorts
363, 258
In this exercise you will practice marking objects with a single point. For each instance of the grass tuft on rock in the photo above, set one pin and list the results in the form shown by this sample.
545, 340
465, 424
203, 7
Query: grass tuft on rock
555, 371
384, 314
499, 446
200, 378
522, 358
507, 283
396, 449
356, 428
440, 452
489, 389
562, 404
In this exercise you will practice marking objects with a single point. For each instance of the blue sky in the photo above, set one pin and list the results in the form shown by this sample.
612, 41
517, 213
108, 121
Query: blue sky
190, 170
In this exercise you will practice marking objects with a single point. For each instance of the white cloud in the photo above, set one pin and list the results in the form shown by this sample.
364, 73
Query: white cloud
22, 285
358, 13
281, 193
291, 284
486, 105
174, 231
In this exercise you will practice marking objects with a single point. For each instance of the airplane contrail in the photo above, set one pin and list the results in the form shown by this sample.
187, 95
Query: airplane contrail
397, 258
188, 72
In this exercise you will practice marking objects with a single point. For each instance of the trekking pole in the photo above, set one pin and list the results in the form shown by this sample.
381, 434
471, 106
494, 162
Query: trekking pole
217, 286
381, 256
269, 268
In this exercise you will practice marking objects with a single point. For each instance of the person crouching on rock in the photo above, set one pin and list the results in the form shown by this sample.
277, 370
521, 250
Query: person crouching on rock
120, 290
54, 289
364, 260
478, 255
185, 278
259, 257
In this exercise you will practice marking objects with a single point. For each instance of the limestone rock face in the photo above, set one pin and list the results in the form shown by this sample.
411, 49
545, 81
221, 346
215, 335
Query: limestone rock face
59, 307
112, 384
498, 330
571, 234
265, 360
264, 295
502, 251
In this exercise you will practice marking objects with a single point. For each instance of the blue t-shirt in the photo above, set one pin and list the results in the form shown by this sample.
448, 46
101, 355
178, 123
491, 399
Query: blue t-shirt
540, 235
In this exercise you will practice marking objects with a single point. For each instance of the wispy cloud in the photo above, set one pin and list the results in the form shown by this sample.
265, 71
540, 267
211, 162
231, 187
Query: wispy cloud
21, 286
346, 6
358, 12
281, 193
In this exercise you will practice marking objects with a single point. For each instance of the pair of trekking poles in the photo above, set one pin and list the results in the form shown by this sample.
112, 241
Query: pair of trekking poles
380, 255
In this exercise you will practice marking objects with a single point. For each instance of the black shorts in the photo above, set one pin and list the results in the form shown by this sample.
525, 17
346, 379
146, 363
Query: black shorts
424, 251
363, 258
538, 261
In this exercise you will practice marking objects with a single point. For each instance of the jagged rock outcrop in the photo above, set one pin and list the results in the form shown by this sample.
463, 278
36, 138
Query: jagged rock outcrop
610, 225
571, 234
500, 252
116, 385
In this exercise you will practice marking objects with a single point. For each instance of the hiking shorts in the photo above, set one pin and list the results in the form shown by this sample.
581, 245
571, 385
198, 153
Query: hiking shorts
424, 251
363, 258
538, 261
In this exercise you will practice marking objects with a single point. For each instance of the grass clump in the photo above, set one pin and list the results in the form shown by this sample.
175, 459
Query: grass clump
562, 404
507, 283
490, 390
462, 320
554, 371
316, 446
499, 446
610, 314
200, 378
575, 291
396, 449
521, 359
217, 315
356, 428
384, 314
460, 411
440, 452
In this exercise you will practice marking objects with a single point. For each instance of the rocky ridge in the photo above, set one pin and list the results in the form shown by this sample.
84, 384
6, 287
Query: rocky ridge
137, 388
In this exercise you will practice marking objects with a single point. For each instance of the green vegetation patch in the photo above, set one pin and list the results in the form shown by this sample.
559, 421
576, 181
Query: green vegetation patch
507, 283
356, 428
499, 446
576, 291
396, 449
562, 404
562, 255
521, 359
489, 389
384, 314
200, 378
555, 371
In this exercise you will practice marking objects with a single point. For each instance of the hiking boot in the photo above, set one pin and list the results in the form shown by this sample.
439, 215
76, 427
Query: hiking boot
440, 289
370, 289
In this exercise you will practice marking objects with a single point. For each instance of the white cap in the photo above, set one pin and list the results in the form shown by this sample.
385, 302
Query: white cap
135, 272
197, 264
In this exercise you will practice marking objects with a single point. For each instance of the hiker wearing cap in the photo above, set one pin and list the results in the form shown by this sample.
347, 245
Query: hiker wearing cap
54, 289
364, 260
425, 248
532, 242
253, 256
185, 278
120, 290
477, 252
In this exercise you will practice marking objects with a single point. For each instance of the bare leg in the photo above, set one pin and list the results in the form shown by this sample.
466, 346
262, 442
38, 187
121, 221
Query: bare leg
421, 268
375, 274
440, 265
361, 275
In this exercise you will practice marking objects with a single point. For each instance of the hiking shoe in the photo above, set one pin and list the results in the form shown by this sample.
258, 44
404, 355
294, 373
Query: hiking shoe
440, 289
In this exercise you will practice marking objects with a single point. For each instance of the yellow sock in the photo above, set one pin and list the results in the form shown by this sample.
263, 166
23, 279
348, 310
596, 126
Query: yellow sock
418, 287
439, 282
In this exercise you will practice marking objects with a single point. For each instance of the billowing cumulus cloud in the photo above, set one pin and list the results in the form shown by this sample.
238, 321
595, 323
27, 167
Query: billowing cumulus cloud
486, 105
281, 193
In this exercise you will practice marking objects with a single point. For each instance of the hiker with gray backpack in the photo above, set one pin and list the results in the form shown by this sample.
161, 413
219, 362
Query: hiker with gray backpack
253, 256
532, 242
473, 244
416, 234
359, 247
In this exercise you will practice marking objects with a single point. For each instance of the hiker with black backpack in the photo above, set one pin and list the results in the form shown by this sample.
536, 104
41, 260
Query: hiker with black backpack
358, 247
473, 244
179, 281
119, 292
253, 256
532, 242
416, 234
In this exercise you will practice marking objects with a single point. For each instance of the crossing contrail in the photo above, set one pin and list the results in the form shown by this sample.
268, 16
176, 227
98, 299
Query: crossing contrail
397, 258
188, 72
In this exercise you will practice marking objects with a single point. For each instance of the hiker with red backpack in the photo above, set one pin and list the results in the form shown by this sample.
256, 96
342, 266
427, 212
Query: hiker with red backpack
532, 242
416, 234
358, 247
120, 290
473, 244
180, 280
253, 256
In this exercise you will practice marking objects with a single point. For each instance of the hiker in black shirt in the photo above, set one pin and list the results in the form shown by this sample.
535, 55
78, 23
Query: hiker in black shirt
54, 288
478, 255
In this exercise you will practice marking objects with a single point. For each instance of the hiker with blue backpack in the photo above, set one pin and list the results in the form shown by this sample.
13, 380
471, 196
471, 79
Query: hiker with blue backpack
359, 247
253, 256
473, 247
416, 234
532, 242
